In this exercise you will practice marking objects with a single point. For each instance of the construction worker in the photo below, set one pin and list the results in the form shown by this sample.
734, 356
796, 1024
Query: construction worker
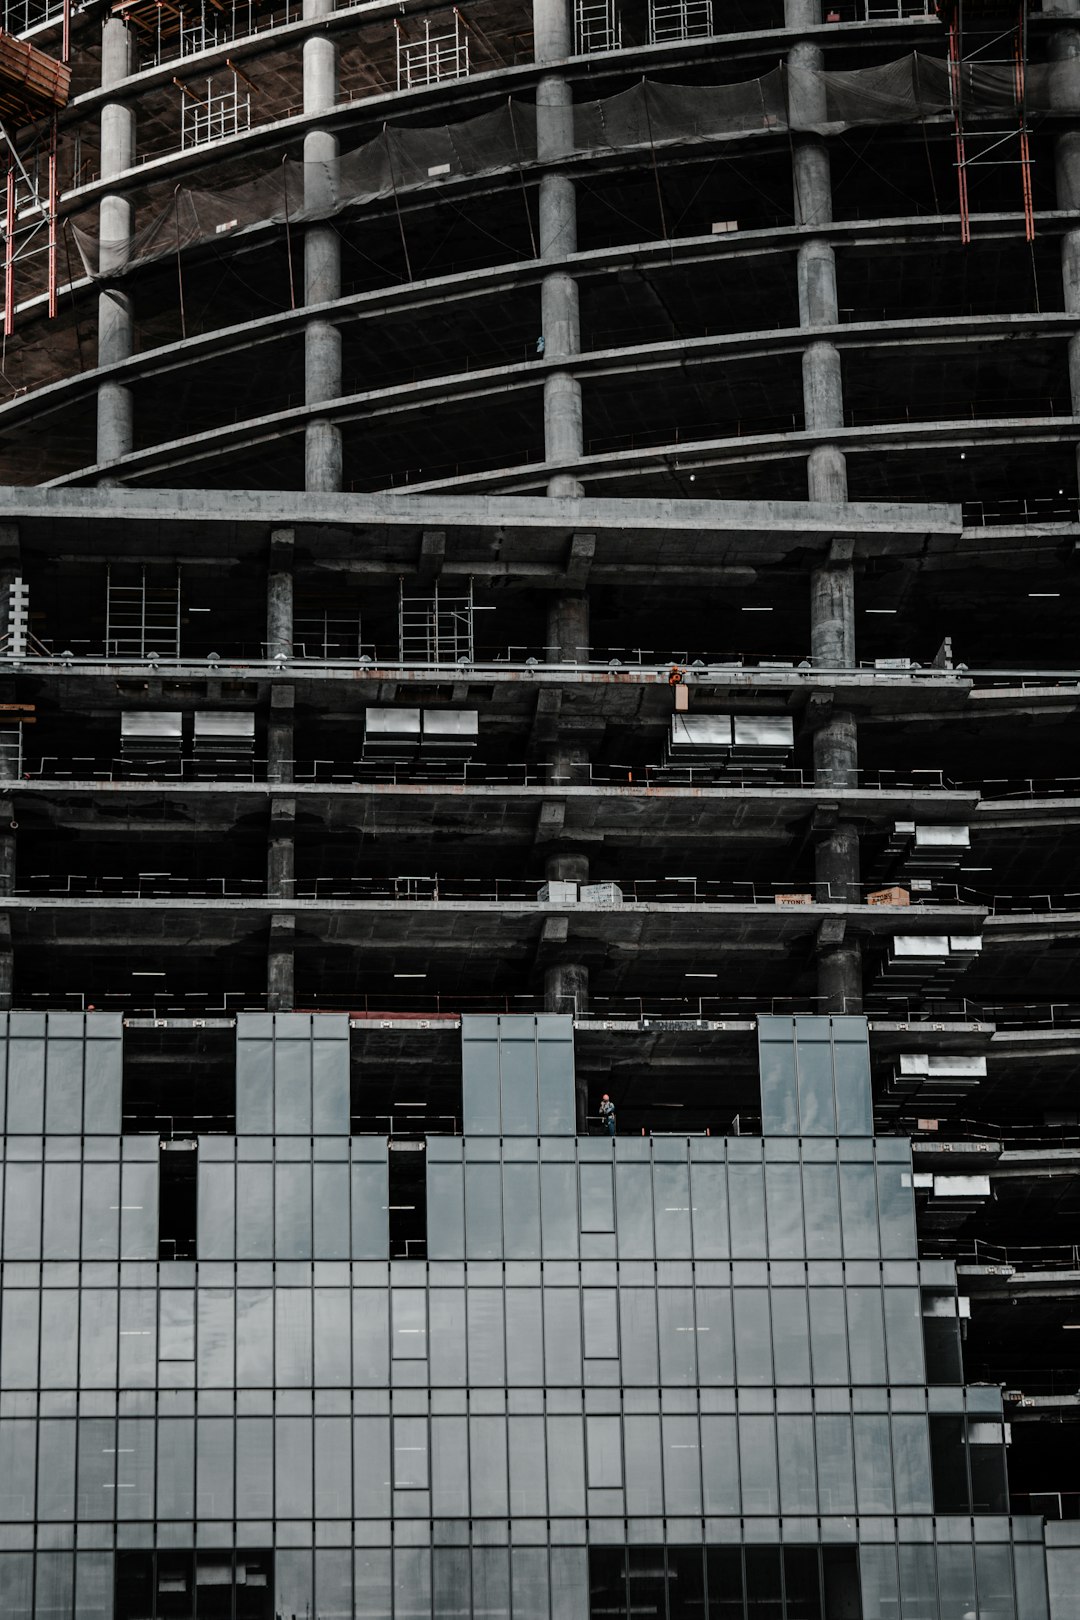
607, 1113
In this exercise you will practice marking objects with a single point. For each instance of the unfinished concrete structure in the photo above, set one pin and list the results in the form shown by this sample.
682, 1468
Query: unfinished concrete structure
565, 512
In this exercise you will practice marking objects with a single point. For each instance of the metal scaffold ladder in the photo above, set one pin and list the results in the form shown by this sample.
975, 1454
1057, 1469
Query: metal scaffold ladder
597, 26
435, 628
988, 35
142, 612
679, 19
434, 56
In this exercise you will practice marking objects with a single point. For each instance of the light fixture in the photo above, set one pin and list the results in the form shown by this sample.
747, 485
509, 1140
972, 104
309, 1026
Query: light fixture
703, 975
1043, 593
882, 610
755, 610
410, 975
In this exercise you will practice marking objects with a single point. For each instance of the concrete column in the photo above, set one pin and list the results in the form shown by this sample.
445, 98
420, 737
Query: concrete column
559, 316
839, 977
568, 628
823, 397
1065, 55
115, 414
566, 990
279, 595
837, 872
322, 259
281, 964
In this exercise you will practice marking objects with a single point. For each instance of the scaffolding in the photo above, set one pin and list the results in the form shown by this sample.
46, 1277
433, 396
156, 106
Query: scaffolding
597, 26
33, 87
218, 114
169, 33
989, 34
679, 19
142, 611
435, 628
433, 57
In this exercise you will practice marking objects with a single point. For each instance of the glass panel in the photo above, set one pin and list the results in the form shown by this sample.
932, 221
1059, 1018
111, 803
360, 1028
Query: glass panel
569, 1584
821, 1198
633, 1183
373, 1583
254, 1088
18, 1462
858, 1206
524, 1337
330, 1090
103, 1062
877, 1567
487, 1354
333, 1347
447, 1337
371, 1338
779, 1116
56, 1475
333, 1565
757, 1456
100, 1211
446, 1211
22, 1212
292, 1208
139, 1211
255, 1468
487, 1447
556, 1064
817, 1113
637, 1318
292, 1088
408, 1319
644, 1466
59, 1339
216, 1352
678, 1348
911, 1464
566, 1484
854, 1103
715, 1336
828, 1336
798, 1474
214, 1480
97, 1338
753, 1343
519, 1101
452, 1583
918, 1583
292, 1337
370, 1220
866, 1335
956, 1582
528, 1467
747, 1193
1031, 1593
521, 1211
671, 1183
55, 1586
410, 1437
254, 1337
603, 1440
725, 1578
254, 1211
371, 1467
450, 1467
562, 1335
216, 1211
19, 1339
600, 1323
62, 1206
802, 1582
559, 1211
897, 1199
791, 1336
26, 1087
763, 1588
483, 1212
597, 1198
330, 1195
16, 1585
836, 1474
903, 1336
63, 1107
682, 1465
480, 1078
710, 1213
293, 1467
529, 1582
873, 1463
412, 1583
783, 1192
176, 1469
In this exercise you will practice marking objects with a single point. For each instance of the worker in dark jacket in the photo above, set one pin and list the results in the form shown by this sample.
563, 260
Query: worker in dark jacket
607, 1113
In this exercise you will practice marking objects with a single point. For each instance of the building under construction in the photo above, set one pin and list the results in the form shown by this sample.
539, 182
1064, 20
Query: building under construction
539, 565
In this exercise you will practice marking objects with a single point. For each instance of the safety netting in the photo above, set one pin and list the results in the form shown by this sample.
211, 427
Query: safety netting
789, 100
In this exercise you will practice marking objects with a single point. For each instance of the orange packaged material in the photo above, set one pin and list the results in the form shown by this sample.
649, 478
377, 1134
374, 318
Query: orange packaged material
794, 899
889, 897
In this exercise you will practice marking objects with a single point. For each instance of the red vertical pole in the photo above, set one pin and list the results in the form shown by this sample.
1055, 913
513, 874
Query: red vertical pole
9, 253
53, 207
65, 48
956, 74
1025, 142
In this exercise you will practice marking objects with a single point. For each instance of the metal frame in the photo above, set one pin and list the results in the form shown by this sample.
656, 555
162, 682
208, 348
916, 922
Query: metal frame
435, 629
679, 19
141, 618
432, 58
990, 146
221, 114
597, 26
